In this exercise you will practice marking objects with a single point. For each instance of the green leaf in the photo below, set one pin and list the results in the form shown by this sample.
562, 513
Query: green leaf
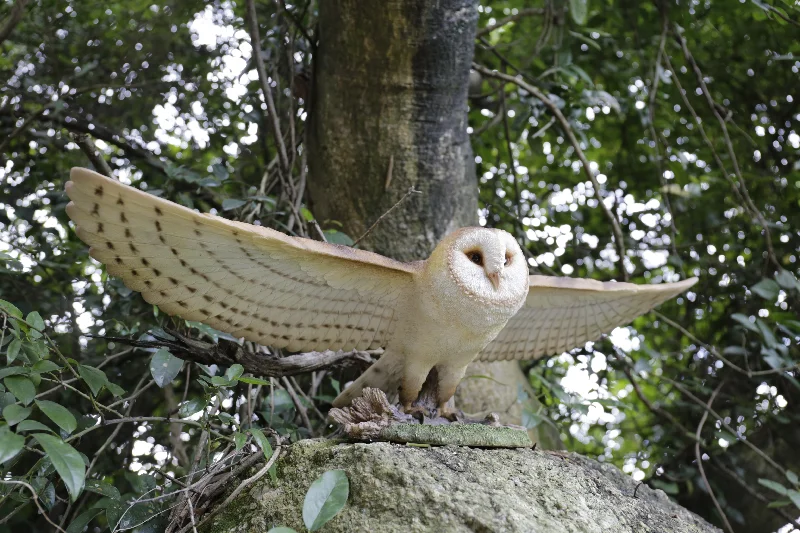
15, 414
239, 439
32, 425
232, 203
777, 487
10, 444
795, 497
66, 460
262, 442
103, 488
792, 477
281, 529
266, 447
337, 237
21, 387
58, 414
766, 288
325, 498
13, 371
82, 520
787, 280
253, 381
45, 366
35, 321
10, 309
579, 10
744, 320
191, 407
164, 367
13, 351
94, 377
234, 372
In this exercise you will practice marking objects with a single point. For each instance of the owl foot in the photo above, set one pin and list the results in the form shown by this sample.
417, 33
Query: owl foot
416, 411
449, 414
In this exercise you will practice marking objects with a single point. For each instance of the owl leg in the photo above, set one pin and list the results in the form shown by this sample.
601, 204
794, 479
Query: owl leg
449, 378
414, 375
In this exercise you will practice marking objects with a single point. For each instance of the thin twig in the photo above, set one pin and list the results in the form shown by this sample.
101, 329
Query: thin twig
509, 19
92, 153
410, 191
617, 230
255, 41
301, 409
699, 457
35, 498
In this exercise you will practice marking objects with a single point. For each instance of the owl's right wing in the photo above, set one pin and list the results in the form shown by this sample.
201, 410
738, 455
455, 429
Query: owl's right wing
245, 280
564, 313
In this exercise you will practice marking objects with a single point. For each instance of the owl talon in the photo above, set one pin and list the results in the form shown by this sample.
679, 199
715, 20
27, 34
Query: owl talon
419, 413
449, 414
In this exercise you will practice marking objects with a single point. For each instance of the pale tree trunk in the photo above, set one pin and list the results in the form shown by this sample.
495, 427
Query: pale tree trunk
389, 112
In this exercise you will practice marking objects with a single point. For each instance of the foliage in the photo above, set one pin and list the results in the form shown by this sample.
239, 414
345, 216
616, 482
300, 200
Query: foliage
687, 118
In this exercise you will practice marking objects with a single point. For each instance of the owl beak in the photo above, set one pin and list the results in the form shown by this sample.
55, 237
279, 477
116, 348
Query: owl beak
494, 277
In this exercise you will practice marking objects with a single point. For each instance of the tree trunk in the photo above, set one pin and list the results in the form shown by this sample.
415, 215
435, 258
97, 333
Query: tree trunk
389, 112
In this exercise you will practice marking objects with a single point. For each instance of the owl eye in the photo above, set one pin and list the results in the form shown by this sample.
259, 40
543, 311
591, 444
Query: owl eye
508, 259
476, 258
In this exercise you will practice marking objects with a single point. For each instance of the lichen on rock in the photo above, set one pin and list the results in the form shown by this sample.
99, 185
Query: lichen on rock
399, 488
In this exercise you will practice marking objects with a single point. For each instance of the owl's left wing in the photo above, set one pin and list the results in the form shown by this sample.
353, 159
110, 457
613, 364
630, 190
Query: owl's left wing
564, 313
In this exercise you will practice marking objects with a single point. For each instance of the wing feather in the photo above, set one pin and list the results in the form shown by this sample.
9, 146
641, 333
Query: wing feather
564, 313
246, 280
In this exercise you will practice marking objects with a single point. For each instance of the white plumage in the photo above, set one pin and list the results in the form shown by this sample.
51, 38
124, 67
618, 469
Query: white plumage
472, 299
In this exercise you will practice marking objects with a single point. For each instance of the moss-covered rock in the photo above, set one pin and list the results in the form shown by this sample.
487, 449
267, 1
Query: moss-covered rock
399, 488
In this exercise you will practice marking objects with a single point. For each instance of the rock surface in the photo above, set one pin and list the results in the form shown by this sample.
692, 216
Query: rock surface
400, 488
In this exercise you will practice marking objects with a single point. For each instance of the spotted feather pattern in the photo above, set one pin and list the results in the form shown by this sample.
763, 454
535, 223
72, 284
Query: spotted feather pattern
245, 280
564, 313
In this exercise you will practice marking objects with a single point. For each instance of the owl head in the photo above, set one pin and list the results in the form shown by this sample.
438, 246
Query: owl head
486, 265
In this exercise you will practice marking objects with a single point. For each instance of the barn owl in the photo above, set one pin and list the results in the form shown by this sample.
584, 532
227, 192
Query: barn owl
471, 299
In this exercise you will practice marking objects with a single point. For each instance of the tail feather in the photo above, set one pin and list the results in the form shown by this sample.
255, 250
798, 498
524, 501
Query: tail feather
383, 375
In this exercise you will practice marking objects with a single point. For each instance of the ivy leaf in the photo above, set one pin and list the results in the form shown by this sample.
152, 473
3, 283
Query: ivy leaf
10, 444
15, 414
58, 414
325, 498
67, 462
266, 447
239, 439
21, 387
281, 529
164, 367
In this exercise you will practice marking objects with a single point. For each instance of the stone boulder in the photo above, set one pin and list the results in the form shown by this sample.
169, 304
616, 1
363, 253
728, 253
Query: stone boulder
402, 488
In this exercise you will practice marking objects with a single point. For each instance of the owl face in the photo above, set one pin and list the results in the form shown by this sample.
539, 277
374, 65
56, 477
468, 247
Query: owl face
480, 269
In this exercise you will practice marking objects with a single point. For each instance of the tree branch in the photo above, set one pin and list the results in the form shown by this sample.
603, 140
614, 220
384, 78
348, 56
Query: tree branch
257, 364
13, 19
615, 227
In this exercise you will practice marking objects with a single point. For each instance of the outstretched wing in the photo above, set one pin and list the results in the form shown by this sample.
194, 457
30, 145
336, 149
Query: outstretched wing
246, 280
564, 313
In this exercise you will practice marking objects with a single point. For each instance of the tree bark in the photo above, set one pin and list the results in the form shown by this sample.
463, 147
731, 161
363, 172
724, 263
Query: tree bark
389, 112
